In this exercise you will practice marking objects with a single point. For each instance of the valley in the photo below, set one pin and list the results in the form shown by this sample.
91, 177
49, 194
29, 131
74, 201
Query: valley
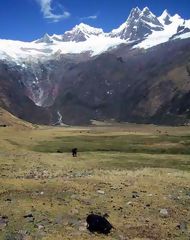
94, 121
137, 174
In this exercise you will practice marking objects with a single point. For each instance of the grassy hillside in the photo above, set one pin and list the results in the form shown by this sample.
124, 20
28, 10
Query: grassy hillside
133, 173
9, 120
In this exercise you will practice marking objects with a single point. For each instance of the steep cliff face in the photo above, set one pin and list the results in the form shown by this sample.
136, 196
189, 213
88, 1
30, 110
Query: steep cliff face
13, 97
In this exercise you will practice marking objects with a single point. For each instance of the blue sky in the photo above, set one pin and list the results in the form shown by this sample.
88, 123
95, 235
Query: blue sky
29, 19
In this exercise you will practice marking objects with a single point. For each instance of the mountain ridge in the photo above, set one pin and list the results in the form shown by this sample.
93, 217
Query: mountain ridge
141, 25
138, 75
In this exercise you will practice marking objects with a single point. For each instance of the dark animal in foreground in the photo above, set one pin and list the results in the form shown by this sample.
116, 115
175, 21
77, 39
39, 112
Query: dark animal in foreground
74, 152
98, 224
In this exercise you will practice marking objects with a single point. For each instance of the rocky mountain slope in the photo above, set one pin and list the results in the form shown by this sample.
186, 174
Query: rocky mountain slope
133, 86
14, 96
139, 72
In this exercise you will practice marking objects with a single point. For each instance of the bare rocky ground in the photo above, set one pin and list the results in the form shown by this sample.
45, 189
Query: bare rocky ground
137, 175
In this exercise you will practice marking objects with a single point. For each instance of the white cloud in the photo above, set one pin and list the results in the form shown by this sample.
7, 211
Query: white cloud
92, 17
48, 11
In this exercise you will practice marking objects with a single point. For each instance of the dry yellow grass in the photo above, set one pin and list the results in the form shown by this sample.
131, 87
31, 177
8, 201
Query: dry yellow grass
60, 190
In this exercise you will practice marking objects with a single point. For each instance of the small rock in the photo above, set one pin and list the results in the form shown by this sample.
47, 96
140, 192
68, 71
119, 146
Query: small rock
74, 211
130, 203
150, 195
164, 213
101, 192
29, 217
40, 227
135, 195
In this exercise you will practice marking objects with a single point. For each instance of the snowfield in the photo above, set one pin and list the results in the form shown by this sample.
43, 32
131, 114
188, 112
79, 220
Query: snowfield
158, 37
31, 51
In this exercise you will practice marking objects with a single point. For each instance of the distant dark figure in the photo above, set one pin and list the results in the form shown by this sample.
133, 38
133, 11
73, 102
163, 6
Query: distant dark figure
74, 152
98, 224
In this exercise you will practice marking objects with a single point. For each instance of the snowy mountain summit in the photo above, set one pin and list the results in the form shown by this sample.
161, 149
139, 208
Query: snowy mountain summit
165, 18
138, 25
79, 33
142, 28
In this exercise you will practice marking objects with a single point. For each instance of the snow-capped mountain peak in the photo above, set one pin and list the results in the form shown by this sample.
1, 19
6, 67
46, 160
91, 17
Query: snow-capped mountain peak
173, 27
81, 33
142, 27
45, 39
135, 12
149, 18
88, 29
177, 19
139, 24
165, 17
146, 11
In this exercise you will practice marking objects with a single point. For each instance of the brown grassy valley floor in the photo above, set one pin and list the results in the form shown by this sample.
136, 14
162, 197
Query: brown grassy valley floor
139, 175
